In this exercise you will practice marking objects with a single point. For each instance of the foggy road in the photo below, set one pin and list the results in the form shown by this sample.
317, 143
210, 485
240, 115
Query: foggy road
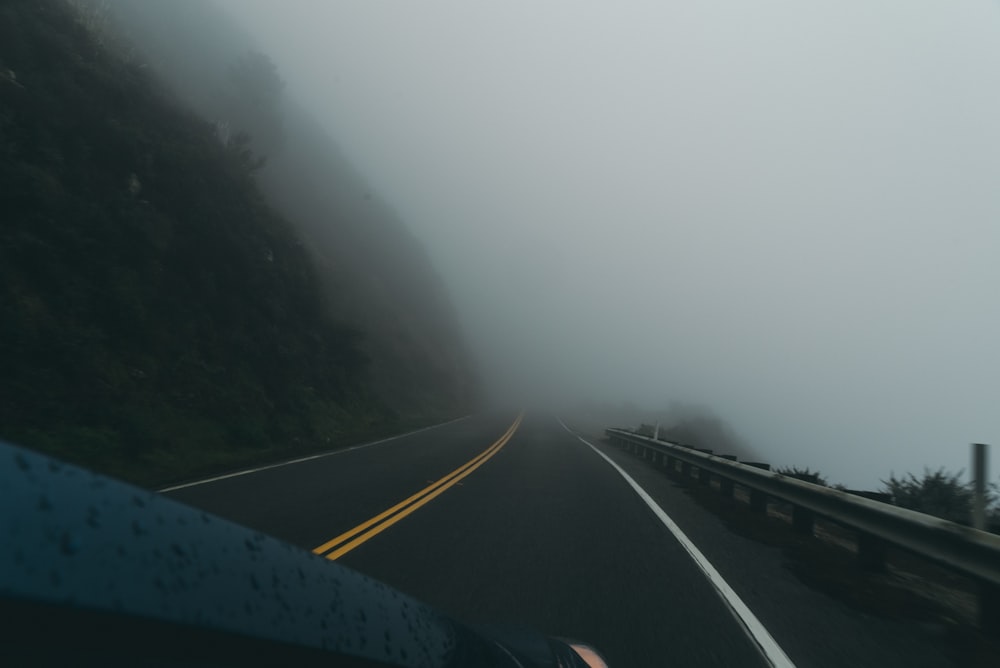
240, 230
499, 520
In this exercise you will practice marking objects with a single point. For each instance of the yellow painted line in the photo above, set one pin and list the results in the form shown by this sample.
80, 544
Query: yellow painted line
325, 547
387, 518
411, 503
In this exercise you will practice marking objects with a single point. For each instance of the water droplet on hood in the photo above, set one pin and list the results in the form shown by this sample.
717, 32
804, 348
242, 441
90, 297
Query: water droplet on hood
69, 544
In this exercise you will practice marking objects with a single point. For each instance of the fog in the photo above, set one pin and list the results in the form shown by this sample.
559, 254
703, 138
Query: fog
787, 212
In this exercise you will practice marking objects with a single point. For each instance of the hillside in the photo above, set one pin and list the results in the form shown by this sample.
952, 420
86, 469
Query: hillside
158, 318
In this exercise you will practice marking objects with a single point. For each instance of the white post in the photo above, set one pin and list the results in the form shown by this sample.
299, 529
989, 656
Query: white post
656, 432
979, 475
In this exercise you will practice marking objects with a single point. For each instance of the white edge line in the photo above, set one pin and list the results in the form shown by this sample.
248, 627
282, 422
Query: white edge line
306, 459
767, 645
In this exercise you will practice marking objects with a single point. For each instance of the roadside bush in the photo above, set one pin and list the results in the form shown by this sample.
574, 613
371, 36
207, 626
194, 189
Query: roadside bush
939, 493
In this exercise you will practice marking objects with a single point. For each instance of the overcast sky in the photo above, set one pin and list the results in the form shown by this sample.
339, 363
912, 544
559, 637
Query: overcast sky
788, 211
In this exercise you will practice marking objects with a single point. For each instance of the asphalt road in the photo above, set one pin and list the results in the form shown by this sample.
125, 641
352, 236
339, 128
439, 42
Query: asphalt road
535, 528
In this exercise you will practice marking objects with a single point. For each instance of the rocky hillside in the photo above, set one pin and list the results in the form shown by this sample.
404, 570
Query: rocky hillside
160, 316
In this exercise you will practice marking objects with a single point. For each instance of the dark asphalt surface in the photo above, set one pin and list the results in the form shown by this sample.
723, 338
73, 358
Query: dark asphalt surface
548, 535
812, 628
544, 535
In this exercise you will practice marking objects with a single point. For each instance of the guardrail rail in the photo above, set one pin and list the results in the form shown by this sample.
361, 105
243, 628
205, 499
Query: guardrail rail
969, 551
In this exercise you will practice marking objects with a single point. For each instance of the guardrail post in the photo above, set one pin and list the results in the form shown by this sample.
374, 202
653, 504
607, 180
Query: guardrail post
979, 486
704, 478
871, 553
671, 466
726, 486
989, 608
803, 520
685, 470
758, 500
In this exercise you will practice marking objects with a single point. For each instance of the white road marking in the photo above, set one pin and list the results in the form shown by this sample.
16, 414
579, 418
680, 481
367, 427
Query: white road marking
768, 647
306, 459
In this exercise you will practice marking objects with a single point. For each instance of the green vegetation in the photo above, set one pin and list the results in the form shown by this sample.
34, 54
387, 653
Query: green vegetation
937, 493
157, 319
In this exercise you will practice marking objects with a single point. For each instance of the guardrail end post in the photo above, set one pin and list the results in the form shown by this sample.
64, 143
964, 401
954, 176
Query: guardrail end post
979, 475
871, 553
803, 520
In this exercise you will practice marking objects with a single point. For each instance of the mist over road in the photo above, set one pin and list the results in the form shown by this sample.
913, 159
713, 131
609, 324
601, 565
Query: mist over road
783, 211
519, 522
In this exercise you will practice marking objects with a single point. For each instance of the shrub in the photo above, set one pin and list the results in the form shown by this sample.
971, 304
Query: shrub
937, 493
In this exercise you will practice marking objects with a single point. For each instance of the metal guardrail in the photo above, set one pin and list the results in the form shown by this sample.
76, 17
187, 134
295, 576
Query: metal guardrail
972, 552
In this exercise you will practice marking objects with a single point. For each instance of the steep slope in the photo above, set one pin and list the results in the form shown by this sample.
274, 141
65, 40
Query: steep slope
157, 318
380, 276
375, 274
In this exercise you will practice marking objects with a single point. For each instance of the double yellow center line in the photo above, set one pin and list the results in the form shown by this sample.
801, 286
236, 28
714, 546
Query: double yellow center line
347, 541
